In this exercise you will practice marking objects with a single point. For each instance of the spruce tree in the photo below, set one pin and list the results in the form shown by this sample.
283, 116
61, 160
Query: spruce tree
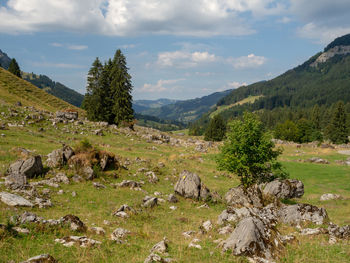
216, 129
337, 130
14, 68
121, 88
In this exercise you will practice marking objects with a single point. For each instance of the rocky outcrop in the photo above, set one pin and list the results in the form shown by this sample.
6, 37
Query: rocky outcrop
338, 50
241, 197
284, 189
30, 167
81, 241
296, 214
16, 181
59, 157
189, 185
67, 115
14, 200
74, 222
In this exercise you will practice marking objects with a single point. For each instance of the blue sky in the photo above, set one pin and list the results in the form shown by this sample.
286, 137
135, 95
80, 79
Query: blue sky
175, 49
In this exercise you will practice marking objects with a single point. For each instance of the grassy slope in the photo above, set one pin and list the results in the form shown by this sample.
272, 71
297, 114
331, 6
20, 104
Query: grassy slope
149, 227
13, 89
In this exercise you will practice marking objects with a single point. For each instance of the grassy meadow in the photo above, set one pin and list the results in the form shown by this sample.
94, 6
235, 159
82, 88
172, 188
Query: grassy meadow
149, 226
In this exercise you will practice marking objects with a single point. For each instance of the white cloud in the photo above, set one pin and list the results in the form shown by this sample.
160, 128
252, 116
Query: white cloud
136, 17
160, 86
184, 59
250, 61
235, 85
77, 47
69, 46
322, 20
126, 46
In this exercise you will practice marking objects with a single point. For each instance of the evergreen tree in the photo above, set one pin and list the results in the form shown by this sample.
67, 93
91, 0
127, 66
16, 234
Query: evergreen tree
337, 130
14, 68
108, 93
121, 88
216, 129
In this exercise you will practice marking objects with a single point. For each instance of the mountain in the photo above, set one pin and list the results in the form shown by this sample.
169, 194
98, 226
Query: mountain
142, 105
187, 110
4, 60
44, 82
14, 89
54, 88
323, 80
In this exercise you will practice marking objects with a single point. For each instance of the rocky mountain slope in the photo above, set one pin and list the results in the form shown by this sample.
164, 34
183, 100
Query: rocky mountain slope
56, 89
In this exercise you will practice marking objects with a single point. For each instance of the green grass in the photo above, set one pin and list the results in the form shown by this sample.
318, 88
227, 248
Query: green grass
149, 226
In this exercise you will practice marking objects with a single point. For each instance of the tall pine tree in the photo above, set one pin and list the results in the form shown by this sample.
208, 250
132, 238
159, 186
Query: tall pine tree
108, 97
14, 68
337, 130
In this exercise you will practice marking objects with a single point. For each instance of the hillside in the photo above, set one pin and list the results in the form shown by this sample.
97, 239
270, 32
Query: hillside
323, 83
44, 82
186, 110
55, 88
14, 89
68, 206
142, 105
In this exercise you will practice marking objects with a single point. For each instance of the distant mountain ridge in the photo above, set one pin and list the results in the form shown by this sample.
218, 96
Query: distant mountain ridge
44, 82
142, 105
322, 80
186, 110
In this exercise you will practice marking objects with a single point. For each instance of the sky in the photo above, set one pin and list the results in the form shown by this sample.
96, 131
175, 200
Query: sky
175, 49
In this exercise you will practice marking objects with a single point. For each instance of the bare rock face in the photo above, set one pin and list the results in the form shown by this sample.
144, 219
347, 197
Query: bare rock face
189, 185
295, 214
44, 258
14, 200
284, 189
30, 168
15, 181
240, 197
253, 237
59, 157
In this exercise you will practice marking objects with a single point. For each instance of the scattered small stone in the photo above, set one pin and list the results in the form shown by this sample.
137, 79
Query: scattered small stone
160, 247
188, 234
75, 223
173, 207
327, 197
203, 206
119, 234
172, 198
77, 178
98, 185
60, 192
106, 222
82, 241
21, 230
194, 243
207, 226
74, 194
44, 258
98, 230
149, 201
310, 231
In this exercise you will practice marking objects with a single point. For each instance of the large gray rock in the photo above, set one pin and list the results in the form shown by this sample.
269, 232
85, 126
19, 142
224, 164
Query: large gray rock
14, 200
342, 232
75, 223
296, 214
15, 181
241, 197
189, 185
284, 189
253, 237
30, 167
59, 157
72, 115
44, 258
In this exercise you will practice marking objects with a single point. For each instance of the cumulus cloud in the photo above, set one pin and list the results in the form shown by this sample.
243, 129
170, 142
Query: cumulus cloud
250, 61
135, 17
160, 86
323, 20
235, 85
184, 59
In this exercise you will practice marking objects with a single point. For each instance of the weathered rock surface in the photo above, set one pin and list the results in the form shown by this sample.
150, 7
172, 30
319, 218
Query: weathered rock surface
189, 185
160, 247
342, 232
30, 167
172, 198
119, 234
149, 201
296, 214
327, 197
253, 237
59, 157
14, 200
44, 258
240, 197
68, 115
75, 223
317, 160
284, 189
130, 183
82, 241
98, 230
15, 181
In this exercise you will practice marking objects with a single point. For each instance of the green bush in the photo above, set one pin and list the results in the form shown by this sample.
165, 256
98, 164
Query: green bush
249, 152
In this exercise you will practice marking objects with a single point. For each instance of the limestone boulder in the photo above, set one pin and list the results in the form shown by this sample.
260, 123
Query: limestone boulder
15, 181
189, 185
298, 213
241, 197
44, 258
14, 200
284, 189
30, 167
